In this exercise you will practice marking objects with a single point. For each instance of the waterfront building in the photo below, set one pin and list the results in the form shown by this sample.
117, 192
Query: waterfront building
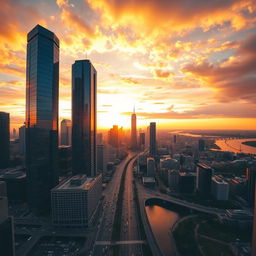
187, 182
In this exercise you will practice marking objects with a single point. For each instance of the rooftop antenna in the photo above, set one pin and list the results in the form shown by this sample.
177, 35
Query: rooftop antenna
134, 109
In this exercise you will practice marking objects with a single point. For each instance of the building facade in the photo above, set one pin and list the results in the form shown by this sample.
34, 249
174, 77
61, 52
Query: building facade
42, 96
151, 167
133, 131
84, 88
4, 139
66, 132
152, 139
75, 201
203, 179
220, 188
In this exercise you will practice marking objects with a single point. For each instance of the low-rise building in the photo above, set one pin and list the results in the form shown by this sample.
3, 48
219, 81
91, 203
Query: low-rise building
75, 200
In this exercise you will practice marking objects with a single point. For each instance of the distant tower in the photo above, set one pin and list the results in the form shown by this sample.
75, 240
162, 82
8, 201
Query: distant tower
84, 86
152, 139
133, 130
4, 139
42, 98
66, 130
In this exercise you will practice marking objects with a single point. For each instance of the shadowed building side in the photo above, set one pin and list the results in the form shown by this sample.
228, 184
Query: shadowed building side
4, 139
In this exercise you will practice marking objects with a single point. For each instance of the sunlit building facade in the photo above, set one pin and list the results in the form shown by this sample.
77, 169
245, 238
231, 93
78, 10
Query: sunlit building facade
42, 92
84, 86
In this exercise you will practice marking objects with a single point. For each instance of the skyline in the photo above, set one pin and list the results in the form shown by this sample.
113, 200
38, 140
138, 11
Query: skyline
194, 70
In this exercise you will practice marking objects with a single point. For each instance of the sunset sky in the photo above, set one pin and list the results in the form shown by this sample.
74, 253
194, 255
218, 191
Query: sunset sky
184, 64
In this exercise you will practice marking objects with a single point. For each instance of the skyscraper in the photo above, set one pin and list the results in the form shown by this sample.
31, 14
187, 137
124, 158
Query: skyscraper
152, 139
254, 229
250, 182
42, 94
66, 131
4, 139
133, 131
84, 86
204, 179
113, 138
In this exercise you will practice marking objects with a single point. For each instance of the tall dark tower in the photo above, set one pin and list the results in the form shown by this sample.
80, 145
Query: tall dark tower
42, 96
133, 130
84, 86
152, 139
4, 139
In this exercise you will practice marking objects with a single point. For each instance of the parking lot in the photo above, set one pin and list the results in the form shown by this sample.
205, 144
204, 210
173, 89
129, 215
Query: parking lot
57, 246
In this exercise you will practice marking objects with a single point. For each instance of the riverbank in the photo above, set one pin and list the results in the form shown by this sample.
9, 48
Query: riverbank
250, 143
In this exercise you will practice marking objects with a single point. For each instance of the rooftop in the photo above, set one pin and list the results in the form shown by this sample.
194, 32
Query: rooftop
13, 173
77, 182
39, 30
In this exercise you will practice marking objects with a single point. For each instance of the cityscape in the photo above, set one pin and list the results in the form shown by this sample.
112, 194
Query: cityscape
128, 128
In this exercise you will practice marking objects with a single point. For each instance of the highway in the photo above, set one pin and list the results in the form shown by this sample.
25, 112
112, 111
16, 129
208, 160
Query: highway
105, 227
129, 224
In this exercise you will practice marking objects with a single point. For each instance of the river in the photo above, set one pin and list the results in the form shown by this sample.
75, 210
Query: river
161, 221
236, 146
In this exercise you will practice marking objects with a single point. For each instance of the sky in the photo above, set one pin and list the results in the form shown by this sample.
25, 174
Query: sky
187, 64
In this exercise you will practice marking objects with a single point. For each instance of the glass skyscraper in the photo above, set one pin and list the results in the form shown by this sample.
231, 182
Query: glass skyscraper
84, 86
42, 92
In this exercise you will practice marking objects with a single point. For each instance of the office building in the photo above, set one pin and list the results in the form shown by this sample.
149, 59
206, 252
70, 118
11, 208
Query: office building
22, 142
250, 183
152, 139
151, 167
113, 138
187, 182
6, 225
65, 160
201, 145
74, 202
254, 229
133, 131
42, 96
203, 179
220, 188
16, 183
99, 138
173, 179
84, 89
142, 140
169, 163
100, 159
4, 139
66, 132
